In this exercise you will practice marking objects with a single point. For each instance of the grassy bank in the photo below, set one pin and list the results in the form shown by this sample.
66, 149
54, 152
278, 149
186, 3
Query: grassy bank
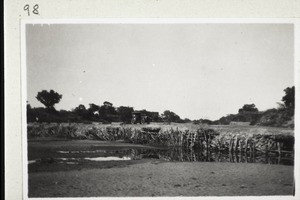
223, 138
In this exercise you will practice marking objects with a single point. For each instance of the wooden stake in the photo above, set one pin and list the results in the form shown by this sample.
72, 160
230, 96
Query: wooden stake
279, 148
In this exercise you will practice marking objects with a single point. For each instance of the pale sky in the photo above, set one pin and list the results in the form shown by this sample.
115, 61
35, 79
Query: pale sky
195, 70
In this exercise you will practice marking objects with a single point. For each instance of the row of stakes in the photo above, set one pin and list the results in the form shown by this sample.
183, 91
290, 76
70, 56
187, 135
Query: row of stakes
235, 145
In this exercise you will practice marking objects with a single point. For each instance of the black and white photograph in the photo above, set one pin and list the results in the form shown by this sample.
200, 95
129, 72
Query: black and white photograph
158, 108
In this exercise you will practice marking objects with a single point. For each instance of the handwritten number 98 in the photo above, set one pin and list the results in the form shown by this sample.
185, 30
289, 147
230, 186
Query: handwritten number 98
34, 11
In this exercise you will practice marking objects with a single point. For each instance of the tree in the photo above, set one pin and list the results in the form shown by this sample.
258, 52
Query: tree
80, 108
93, 112
81, 111
30, 117
108, 104
49, 98
248, 108
125, 113
186, 120
281, 106
202, 121
28, 106
93, 109
169, 116
289, 97
107, 112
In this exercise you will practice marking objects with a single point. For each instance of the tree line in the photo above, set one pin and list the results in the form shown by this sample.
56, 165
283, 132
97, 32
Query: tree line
282, 116
107, 113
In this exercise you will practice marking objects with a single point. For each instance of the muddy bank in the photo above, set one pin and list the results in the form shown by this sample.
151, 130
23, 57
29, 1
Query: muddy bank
166, 179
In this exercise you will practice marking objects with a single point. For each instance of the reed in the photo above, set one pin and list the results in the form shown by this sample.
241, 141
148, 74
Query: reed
232, 139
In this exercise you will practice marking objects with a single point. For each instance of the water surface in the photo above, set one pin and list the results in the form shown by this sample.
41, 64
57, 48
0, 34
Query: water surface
163, 154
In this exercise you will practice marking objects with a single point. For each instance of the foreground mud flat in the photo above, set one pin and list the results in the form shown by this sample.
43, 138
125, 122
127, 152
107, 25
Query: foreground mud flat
73, 169
166, 179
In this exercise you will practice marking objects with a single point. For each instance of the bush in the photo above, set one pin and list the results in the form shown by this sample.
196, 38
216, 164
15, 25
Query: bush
276, 118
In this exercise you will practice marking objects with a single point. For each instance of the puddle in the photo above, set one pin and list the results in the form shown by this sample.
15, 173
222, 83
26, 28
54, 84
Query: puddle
108, 158
71, 161
31, 161
67, 151
67, 159
94, 151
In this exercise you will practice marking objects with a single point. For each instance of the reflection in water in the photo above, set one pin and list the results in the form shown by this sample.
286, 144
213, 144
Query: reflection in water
186, 155
171, 155
192, 155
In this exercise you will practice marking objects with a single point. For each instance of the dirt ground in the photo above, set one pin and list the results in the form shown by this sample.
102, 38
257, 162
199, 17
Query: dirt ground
151, 177
166, 179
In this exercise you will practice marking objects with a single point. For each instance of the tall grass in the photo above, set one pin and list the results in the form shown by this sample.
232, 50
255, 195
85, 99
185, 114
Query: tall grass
223, 138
